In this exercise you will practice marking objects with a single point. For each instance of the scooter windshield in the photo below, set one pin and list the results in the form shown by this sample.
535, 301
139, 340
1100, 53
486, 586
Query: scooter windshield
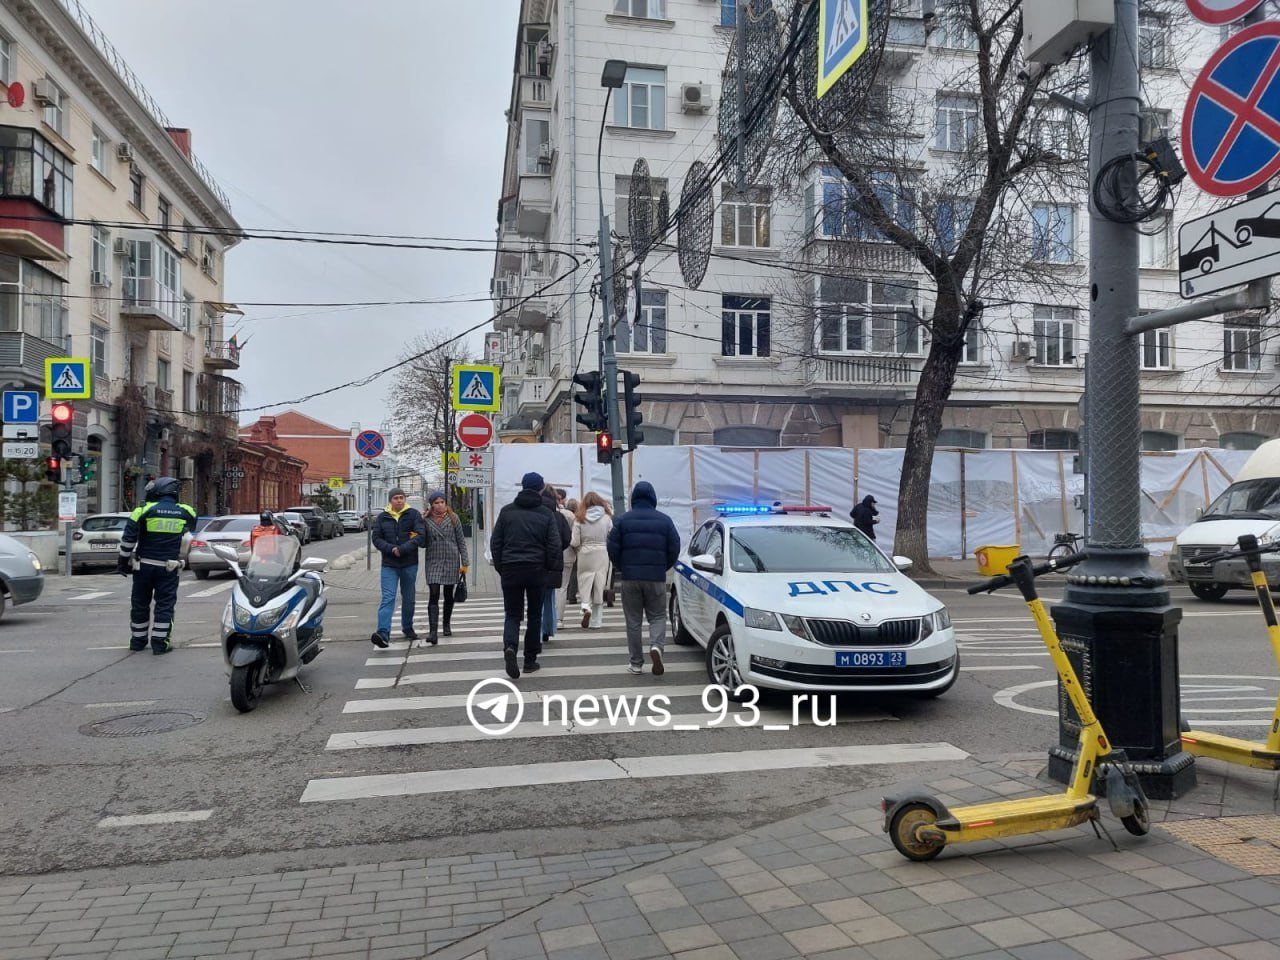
273, 558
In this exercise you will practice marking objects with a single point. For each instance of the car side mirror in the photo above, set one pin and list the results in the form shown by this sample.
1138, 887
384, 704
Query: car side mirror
1199, 512
318, 564
903, 563
706, 562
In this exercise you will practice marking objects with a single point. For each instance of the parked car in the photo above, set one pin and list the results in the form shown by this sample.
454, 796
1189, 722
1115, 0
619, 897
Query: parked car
336, 525
298, 523
96, 542
322, 528
231, 531
21, 577
352, 520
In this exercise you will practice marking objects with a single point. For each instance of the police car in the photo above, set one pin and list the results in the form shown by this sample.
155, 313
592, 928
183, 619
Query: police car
792, 598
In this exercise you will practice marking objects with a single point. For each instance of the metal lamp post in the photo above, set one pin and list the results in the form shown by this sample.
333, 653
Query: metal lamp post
612, 77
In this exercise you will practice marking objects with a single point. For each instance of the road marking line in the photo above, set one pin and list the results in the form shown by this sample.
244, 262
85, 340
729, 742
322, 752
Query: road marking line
154, 819
532, 697
623, 768
92, 596
17, 651
212, 591
1018, 666
470, 676
489, 650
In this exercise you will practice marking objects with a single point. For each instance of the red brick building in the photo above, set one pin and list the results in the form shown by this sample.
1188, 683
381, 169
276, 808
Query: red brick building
324, 448
272, 479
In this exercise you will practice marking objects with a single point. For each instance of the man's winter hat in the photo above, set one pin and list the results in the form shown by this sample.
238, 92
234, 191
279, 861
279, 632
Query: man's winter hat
436, 495
395, 492
531, 481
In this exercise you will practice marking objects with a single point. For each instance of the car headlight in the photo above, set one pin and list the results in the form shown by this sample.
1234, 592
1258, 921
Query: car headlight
795, 625
243, 617
930, 623
760, 619
35, 562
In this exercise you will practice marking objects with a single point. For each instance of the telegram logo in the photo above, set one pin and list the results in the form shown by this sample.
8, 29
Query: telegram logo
495, 706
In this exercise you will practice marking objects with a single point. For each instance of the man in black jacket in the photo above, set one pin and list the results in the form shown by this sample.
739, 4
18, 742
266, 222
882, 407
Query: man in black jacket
866, 516
643, 546
525, 545
398, 533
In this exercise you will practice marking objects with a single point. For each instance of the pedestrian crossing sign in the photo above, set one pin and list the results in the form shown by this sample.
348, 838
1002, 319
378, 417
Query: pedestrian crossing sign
67, 378
842, 39
476, 388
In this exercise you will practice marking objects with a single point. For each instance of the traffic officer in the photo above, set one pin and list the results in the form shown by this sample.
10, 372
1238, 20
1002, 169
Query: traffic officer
150, 549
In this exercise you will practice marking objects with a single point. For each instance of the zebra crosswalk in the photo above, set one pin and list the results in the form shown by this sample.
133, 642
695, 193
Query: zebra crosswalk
412, 719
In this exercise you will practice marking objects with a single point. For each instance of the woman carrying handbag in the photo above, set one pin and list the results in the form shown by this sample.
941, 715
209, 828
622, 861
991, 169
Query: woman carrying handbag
446, 562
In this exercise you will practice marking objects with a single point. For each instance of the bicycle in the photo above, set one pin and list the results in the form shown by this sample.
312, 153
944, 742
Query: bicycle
1066, 544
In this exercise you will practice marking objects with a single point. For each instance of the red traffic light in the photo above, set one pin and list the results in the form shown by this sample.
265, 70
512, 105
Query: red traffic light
62, 412
604, 448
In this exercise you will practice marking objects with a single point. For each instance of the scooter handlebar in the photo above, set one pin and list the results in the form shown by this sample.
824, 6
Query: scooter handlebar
1004, 579
1247, 546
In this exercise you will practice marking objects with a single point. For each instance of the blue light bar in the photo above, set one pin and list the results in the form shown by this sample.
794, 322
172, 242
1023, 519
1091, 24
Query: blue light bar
742, 509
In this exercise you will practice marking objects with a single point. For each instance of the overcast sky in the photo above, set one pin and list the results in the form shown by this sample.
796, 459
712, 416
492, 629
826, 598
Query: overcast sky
383, 117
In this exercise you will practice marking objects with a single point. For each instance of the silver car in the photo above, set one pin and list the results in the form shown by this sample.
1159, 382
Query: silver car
298, 523
97, 541
233, 531
21, 576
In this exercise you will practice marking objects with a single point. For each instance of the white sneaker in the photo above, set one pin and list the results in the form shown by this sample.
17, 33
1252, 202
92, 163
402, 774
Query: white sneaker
655, 654
634, 669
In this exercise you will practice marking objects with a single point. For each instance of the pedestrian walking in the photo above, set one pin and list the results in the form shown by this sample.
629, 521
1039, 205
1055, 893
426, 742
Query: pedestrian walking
571, 574
866, 516
555, 570
398, 533
446, 561
591, 526
524, 544
644, 545
570, 557
151, 551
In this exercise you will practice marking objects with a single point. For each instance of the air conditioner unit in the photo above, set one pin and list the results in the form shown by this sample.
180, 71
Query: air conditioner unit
122, 246
695, 98
545, 50
98, 278
1022, 350
187, 468
45, 92
124, 152
545, 153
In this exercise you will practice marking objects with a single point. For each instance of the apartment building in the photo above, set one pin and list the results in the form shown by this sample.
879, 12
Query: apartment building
763, 355
112, 239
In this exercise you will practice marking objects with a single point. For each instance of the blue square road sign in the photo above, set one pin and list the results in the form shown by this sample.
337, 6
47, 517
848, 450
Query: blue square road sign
21, 406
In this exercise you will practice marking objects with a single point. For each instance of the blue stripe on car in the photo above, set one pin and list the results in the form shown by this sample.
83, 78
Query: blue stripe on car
710, 589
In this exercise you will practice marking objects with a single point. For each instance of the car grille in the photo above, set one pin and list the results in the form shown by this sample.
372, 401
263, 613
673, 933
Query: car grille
844, 633
1195, 570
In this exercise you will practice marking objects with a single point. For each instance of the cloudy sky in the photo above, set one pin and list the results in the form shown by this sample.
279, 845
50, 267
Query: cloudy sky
333, 115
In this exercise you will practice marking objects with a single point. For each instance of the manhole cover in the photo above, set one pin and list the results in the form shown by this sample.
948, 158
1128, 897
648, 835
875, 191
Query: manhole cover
141, 724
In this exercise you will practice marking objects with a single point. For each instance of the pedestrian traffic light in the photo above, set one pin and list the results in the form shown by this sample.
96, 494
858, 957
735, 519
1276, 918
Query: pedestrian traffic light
594, 417
88, 469
62, 414
604, 447
53, 469
632, 416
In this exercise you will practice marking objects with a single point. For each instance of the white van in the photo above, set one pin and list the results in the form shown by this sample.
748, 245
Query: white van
1250, 505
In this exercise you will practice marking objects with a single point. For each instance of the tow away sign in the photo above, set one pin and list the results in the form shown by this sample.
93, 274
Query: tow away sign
1230, 247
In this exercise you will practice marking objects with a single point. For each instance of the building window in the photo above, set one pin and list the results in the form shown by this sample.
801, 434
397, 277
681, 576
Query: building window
209, 261
1157, 349
189, 392
187, 237
163, 213
1159, 440
831, 214
99, 152
1241, 441
188, 313
744, 217
1054, 332
1153, 123
953, 220
1052, 233
622, 202
744, 326
955, 437
6, 59
33, 301
54, 114
1053, 440
644, 9
152, 278
955, 123
162, 375
860, 316
98, 346
1155, 243
31, 168
641, 102
971, 352
99, 255
728, 14
1153, 41
650, 334
135, 187
537, 143
954, 30
1242, 344
1053, 129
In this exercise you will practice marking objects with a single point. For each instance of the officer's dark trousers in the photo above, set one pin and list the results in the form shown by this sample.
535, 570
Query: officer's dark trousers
161, 585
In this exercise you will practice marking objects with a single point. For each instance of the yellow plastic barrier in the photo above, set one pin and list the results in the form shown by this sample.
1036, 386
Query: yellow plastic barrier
994, 560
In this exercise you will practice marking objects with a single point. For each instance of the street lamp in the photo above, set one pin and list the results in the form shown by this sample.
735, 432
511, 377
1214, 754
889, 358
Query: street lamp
611, 78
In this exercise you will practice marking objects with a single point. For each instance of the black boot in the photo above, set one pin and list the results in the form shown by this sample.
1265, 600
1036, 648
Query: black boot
448, 613
433, 617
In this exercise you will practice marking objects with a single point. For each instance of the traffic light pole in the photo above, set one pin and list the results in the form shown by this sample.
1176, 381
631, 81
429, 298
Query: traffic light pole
609, 364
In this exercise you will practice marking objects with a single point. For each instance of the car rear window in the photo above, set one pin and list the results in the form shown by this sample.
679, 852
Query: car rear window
231, 524
104, 523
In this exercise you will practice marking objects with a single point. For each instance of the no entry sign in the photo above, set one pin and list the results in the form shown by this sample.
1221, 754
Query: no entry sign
1231, 126
474, 431
1220, 11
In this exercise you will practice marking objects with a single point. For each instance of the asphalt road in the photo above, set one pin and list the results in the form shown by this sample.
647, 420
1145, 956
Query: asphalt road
312, 777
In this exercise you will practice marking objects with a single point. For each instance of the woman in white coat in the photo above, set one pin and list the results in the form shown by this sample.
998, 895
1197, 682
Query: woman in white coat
591, 526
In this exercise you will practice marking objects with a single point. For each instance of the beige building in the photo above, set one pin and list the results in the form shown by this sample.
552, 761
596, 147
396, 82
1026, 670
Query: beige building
112, 238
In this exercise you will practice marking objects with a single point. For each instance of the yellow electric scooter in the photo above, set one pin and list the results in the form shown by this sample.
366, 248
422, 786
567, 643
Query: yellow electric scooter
921, 825
1261, 756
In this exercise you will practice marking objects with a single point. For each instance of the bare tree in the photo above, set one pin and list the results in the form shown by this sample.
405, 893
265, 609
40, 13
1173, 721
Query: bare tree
423, 417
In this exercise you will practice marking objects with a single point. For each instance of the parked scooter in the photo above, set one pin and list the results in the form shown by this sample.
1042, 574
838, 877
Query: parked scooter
274, 620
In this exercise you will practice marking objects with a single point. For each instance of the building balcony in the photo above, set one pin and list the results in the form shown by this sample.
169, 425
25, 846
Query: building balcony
835, 373
904, 43
142, 306
533, 311
535, 394
22, 356
535, 92
533, 205
221, 355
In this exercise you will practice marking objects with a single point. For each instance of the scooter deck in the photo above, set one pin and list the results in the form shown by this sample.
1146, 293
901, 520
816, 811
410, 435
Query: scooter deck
1004, 818
1230, 750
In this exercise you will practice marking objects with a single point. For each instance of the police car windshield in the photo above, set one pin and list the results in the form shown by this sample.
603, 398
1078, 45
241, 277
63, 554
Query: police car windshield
803, 549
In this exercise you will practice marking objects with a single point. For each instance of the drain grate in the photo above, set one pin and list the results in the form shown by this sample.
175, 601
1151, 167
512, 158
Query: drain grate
141, 724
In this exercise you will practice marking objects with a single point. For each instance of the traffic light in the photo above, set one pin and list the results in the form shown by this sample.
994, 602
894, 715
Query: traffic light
632, 416
53, 469
594, 417
62, 414
604, 447
88, 469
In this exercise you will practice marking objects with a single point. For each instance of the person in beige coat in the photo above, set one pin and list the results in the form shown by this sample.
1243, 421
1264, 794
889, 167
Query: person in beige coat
591, 526
566, 509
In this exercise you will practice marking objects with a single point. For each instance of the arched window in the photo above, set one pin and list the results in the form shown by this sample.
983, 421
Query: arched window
657, 436
1053, 440
952, 437
1241, 441
747, 437
1159, 440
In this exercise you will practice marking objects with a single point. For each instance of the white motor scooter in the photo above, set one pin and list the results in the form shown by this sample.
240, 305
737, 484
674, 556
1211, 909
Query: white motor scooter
274, 620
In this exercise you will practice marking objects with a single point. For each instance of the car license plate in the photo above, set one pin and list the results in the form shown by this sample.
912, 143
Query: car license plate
871, 658
101, 545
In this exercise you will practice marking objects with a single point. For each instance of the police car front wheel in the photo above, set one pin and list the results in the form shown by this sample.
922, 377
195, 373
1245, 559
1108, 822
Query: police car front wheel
722, 664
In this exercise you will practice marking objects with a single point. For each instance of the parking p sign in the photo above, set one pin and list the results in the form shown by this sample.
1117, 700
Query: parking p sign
21, 406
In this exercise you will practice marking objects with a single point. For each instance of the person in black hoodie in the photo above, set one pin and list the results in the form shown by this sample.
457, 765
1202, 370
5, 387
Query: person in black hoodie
866, 516
643, 546
524, 545
555, 574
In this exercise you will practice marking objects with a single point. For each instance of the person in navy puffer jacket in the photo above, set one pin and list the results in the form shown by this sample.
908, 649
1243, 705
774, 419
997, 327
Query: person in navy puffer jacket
643, 546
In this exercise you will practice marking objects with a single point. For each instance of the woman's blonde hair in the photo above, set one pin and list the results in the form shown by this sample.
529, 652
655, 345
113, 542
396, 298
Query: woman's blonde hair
592, 499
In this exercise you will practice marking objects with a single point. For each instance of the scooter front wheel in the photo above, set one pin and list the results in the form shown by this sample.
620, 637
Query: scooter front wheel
246, 685
1139, 822
902, 831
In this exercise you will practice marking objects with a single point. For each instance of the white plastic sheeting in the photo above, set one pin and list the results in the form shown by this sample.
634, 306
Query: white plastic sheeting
976, 497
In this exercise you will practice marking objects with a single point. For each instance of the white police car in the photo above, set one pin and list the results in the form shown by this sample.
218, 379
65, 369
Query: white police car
793, 598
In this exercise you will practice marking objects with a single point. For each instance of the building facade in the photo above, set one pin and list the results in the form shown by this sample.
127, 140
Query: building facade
112, 239
768, 352
265, 476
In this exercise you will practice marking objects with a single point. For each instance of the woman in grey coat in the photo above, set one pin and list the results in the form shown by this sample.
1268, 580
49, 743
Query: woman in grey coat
446, 561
